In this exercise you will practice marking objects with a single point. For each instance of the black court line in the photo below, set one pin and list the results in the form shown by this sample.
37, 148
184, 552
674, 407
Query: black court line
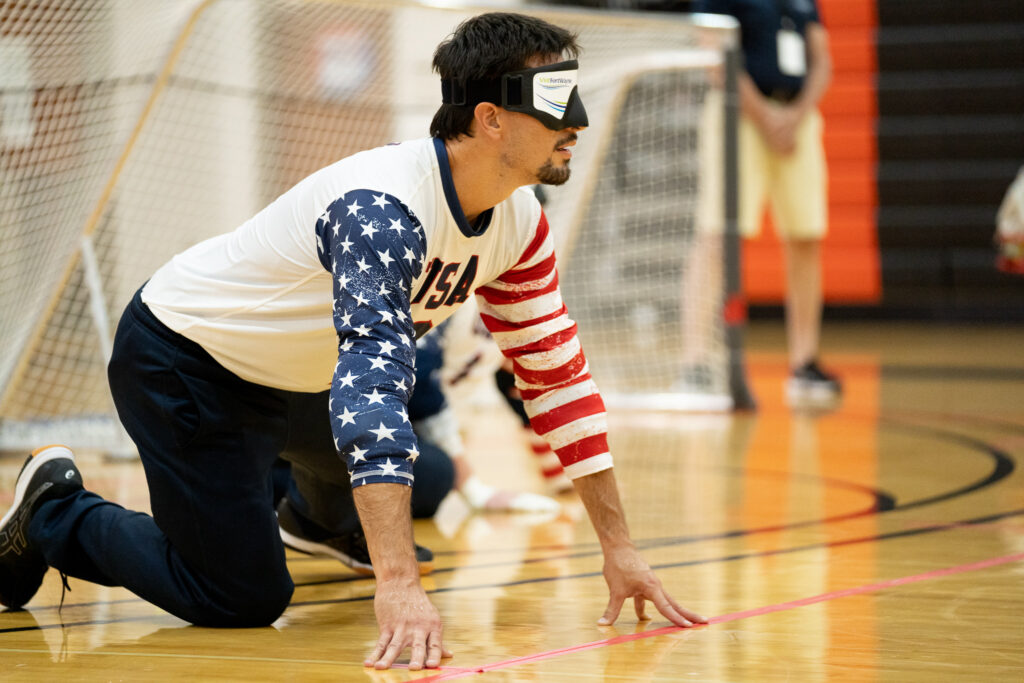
713, 560
882, 502
90, 622
1003, 467
1004, 464
876, 538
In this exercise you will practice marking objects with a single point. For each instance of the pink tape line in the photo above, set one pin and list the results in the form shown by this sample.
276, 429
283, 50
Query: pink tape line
453, 672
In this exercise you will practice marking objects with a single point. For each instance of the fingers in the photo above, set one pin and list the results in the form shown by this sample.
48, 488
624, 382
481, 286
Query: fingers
689, 614
426, 652
435, 651
406, 619
611, 613
638, 603
378, 650
667, 610
418, 654
678, 615
391, 652
432, 648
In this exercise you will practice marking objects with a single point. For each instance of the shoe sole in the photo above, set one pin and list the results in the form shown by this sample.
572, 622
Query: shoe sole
39, 457
800, 392
320, 550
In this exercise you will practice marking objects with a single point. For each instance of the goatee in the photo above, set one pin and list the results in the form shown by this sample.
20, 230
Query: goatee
548, 174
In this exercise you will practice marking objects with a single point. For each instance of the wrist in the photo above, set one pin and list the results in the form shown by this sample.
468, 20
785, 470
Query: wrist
799, 108
600, 496
397, 575
617, 544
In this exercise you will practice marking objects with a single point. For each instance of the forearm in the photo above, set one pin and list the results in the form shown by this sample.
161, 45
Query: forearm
753, 104
627, 574
600, 495
384, 510
819, 76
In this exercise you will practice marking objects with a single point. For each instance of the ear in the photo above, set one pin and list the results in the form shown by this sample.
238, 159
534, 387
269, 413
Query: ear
488, 118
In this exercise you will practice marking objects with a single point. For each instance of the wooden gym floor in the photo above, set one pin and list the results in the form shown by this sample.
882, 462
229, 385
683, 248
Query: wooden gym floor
881, 541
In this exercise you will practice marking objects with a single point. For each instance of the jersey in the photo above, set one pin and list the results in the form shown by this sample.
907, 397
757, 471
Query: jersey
330, 285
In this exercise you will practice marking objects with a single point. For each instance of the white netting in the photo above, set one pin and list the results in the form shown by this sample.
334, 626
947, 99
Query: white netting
639, 237
129, 131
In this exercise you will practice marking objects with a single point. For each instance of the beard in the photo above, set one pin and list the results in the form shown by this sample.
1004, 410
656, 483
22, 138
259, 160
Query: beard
548, 174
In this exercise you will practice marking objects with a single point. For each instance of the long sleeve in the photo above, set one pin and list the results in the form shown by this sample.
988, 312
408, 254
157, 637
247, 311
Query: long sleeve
524, 311
374, 248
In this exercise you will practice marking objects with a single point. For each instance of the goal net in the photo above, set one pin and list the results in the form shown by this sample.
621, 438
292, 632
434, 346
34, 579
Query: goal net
129, 131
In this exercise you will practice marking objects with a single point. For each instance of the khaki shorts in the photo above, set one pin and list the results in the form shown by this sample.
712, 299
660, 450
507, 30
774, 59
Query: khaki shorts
796, 186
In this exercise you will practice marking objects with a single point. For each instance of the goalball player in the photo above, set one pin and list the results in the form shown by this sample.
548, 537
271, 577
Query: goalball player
328, 287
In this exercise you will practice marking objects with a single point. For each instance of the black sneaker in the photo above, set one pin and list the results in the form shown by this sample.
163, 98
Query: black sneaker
306, 536
48, 473
809, 384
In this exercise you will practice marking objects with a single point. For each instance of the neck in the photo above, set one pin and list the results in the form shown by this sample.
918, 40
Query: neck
481, 180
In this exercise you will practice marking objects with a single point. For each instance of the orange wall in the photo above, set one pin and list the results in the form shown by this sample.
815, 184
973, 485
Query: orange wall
850, 251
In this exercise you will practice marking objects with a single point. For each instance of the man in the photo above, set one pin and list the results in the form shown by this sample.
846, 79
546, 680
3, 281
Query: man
457, 356
312, 490
788, 69
328, 287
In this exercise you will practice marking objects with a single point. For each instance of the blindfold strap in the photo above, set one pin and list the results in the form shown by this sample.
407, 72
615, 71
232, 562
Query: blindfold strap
470, 93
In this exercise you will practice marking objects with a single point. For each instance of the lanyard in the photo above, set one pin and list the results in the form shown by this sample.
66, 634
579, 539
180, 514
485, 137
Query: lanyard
785, 15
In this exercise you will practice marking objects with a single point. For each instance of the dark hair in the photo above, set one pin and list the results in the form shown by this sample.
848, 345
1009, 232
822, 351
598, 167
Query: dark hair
487, 46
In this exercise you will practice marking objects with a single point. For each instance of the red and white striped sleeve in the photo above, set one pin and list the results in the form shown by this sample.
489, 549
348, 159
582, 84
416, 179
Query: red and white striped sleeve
524, 311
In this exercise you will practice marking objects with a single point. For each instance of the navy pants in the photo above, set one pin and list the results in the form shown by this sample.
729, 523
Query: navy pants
211, 552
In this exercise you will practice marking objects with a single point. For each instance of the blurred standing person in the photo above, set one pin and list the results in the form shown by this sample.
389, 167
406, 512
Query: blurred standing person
782, 162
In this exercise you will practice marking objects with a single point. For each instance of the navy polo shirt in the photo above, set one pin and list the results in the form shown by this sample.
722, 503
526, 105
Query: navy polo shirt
760, 21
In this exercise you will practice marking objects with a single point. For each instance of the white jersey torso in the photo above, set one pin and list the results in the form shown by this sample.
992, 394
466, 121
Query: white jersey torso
259, 299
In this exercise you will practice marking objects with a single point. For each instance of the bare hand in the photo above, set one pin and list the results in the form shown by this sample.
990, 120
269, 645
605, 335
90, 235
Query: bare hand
406, 618
629, 576
779, 126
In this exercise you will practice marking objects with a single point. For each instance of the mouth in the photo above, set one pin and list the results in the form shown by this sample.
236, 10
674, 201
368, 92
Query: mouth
562, 147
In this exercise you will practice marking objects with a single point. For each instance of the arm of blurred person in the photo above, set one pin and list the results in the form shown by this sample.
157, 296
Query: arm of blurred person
778, 122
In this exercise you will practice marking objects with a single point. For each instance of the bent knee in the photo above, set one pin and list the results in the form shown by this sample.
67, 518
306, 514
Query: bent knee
250, 611
266, 610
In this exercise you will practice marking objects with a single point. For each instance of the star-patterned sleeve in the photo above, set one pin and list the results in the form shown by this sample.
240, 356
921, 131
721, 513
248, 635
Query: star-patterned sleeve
373, 246
524, 311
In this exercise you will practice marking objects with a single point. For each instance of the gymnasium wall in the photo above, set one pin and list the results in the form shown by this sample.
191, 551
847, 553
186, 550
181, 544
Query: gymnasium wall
950, 141
924, 133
